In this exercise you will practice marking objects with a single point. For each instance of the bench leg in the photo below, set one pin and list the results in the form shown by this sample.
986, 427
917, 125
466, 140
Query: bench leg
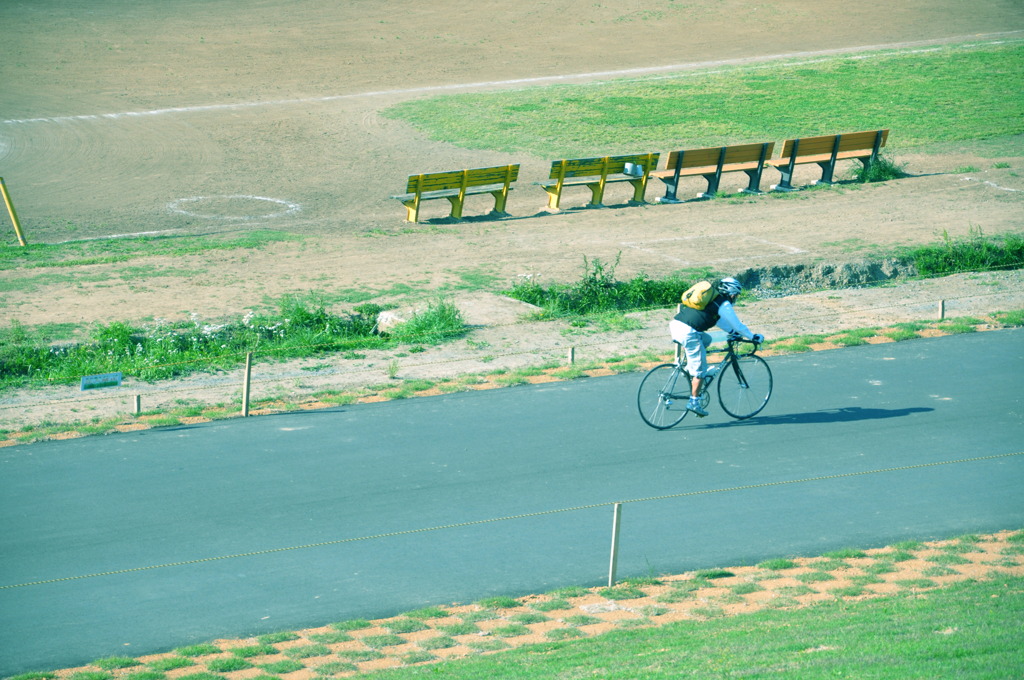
596, 195
456, 207
639, 191
754, 185
670, 192
554, 198
713, 180
827, 169
785, 184
867, 162
412, 210
500, 198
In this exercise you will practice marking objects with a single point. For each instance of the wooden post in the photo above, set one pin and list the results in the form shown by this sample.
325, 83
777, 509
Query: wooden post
572, 356
137, 405
942, 310
616, 520
246, 383
13, 213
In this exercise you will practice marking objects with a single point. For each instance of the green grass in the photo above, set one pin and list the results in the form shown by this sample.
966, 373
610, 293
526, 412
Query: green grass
770, 102
966, 630
301, 327
108, 251
975, 252
198, 650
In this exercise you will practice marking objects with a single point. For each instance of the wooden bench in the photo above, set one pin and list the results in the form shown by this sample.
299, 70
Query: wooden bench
596, 173
710, 163
455, 185
826, 151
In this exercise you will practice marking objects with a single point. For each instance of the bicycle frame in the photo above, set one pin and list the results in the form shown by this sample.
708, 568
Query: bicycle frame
744, 386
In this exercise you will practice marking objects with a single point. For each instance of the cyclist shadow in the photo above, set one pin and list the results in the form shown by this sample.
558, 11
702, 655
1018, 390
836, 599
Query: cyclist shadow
835, 415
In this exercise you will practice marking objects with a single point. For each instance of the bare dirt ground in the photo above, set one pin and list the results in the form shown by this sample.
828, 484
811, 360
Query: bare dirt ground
188, 117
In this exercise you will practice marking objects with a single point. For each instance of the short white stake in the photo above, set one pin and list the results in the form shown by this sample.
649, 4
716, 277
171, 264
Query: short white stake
616, 519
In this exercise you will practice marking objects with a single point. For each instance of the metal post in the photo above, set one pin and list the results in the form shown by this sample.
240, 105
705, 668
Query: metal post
572, 356
942, 310
246, 382
616, 517
13, 212
138, 404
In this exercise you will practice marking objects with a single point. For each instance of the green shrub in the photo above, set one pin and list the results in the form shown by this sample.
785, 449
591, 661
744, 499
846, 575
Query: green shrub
439, 642
307, 651
974, 252
354, 624
170, 663
377, 641
427, 613
114, 662
404, 625
442, 320
882, 170
598, 291
777, 564
499, 602
462, 628
254, 650
198, 650
622, 592
335, 667
330, 638
232, 663
282, 667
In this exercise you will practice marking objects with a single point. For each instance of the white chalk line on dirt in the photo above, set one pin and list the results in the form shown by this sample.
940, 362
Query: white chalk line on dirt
651, 248
113, 236
289, 207
985, 181
903, 48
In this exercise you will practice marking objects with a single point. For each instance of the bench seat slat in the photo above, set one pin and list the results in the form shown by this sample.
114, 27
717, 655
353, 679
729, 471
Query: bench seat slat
445, 193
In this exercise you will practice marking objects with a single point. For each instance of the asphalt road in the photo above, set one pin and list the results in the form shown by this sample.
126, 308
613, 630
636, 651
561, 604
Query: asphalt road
387, 505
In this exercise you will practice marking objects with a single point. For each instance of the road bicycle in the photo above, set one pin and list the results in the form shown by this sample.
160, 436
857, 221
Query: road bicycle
744, 386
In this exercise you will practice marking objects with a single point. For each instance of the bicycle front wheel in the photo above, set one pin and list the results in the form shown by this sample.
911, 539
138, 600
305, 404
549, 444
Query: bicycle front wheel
744, 386
663, 395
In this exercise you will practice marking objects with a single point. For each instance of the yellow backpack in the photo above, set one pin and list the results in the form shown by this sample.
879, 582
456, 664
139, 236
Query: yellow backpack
700, 294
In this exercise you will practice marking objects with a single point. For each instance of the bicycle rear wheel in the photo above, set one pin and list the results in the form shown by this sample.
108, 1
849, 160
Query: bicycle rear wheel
744, 386
663, 395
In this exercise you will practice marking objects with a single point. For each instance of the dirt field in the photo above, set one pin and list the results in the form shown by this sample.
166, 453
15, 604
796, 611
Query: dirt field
190, 117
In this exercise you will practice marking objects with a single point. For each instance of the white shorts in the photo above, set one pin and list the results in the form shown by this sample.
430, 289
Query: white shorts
695, 344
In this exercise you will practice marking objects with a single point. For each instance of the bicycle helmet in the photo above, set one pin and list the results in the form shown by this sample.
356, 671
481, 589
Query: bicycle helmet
730, 286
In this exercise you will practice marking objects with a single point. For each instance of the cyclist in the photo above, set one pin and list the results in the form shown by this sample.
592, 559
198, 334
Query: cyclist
689, 326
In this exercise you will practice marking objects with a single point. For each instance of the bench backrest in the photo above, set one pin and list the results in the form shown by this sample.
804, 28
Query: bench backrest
456, 179
852, 141
699, 158
609, 165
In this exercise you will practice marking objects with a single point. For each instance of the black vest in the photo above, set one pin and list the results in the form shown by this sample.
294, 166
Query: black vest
701, 319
